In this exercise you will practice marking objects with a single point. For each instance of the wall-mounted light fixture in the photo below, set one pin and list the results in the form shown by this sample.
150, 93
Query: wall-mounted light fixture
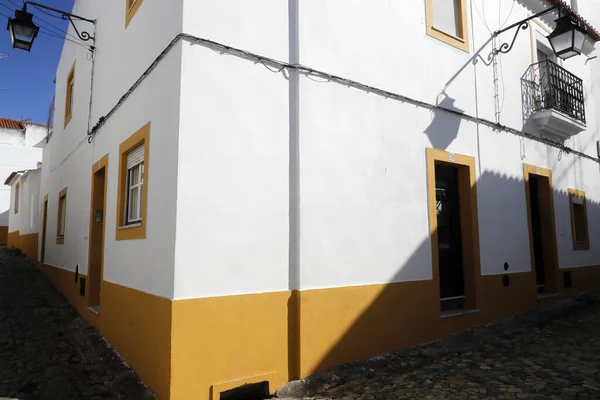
23, 31
567, 39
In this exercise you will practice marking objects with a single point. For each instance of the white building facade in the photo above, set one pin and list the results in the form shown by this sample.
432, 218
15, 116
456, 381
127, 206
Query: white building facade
25, 218
272, 189
21, 146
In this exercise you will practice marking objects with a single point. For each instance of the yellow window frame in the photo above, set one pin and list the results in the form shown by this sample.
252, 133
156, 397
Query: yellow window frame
585, 243
131, 7
69, 95
62, 217
461, 42
135, 231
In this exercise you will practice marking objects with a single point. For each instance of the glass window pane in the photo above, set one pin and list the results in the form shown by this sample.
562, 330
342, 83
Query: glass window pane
134, 176
133, 204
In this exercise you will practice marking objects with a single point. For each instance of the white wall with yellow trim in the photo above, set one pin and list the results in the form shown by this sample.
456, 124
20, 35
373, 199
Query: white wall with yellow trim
362, 198
122, 55
263, 182
28, 219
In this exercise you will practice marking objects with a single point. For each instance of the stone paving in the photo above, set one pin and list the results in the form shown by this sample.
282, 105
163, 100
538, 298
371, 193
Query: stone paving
47, 351
551, 353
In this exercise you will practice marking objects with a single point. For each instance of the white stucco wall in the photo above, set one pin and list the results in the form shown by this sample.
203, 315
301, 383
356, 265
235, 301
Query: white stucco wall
13, 137
35, 135
232, 194
362, 201
263, 182
28, 219
16, 154
122, 55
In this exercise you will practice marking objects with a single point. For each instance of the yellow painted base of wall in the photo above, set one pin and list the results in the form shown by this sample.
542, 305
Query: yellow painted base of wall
13, 240
137, 325
27, 243
220, 339
195, 349
3, 235
351, 323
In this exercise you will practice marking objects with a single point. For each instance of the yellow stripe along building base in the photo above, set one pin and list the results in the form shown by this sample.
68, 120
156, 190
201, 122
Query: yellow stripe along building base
195, 349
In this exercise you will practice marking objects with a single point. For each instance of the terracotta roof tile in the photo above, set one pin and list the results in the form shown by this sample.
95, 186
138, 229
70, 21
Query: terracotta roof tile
584, 24
11, 176
11, 124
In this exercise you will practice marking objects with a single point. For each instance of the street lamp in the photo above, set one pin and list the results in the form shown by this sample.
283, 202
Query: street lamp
22, 30
568, 38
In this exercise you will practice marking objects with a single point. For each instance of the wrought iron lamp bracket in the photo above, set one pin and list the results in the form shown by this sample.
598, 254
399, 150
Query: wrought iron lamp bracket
521, 25
83, 35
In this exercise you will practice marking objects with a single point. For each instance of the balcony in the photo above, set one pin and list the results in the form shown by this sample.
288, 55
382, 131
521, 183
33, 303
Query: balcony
553, 99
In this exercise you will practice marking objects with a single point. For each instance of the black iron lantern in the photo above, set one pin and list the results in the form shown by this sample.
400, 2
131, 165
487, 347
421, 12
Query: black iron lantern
568, 38
22, 30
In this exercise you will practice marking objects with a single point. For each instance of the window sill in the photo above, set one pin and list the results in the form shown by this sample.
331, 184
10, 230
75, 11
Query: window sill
130, 226
131, 232
456, 313
459, 43
449, 35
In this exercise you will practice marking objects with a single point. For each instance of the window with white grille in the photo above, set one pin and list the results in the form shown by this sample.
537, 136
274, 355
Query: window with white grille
135, 183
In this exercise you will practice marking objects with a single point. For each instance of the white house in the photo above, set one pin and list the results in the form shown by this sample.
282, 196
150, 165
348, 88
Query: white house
25, 218
249, 192
20, 149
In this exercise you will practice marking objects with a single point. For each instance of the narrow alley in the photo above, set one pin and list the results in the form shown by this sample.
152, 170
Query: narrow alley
47, 351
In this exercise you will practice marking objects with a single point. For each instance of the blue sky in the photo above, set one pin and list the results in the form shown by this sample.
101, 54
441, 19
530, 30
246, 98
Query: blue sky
29, 77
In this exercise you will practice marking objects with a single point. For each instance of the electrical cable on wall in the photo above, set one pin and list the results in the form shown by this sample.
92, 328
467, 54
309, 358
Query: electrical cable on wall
277, 66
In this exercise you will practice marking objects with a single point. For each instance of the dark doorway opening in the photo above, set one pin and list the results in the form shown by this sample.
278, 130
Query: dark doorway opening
450, 253
536, 232
543, 236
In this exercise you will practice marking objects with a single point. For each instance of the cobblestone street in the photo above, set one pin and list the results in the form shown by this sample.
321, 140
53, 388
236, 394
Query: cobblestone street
46, 350
552, 353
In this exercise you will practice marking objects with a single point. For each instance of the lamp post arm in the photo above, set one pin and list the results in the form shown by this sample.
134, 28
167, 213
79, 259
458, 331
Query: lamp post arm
64, 14
521, 25
508, 28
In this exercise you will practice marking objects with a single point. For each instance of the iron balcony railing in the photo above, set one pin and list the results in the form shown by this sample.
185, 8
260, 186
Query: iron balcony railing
554, 88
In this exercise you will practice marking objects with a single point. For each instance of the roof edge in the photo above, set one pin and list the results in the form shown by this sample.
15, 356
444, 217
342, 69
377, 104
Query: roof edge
592, 32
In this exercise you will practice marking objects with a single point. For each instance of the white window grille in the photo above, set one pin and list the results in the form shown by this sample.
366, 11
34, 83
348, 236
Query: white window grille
135, 183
